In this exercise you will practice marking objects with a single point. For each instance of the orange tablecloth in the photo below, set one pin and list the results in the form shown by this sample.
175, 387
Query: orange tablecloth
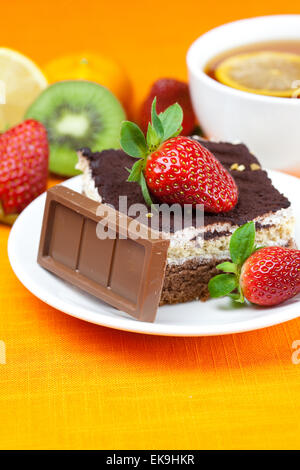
69, 384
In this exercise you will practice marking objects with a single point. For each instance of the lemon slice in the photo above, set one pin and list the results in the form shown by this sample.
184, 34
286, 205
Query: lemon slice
21, 81
264, 73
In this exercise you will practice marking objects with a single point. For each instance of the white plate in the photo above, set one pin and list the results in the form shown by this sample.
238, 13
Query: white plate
215, 317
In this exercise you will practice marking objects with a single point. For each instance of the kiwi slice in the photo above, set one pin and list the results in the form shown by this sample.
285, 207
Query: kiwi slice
76, 114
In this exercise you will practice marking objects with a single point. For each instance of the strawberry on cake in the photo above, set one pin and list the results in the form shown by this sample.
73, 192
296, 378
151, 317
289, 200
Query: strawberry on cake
168, 168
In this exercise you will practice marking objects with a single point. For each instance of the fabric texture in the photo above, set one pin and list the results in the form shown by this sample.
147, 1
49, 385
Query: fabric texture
68, 384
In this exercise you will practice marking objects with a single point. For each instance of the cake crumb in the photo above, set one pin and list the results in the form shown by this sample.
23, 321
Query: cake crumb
241, 168
234, 166
255, 166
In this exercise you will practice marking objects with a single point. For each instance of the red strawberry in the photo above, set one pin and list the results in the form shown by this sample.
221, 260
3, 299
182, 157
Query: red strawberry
271, 275
23, 167
169, 91
183, 171
265, 276
174, 168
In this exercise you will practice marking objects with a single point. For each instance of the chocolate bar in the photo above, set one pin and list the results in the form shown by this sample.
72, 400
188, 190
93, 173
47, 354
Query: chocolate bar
123, 270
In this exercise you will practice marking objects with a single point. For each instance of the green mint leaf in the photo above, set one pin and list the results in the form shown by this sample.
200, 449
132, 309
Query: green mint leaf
222, 284
153, 140
242, 243
135, 172
156, 122
171, 120
133, 140
227, 267
145, 190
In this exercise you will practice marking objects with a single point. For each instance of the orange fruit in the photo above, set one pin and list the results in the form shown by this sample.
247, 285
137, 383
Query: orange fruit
94, 67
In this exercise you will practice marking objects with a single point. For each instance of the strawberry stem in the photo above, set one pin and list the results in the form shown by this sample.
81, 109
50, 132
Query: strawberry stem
241, 247
163, 126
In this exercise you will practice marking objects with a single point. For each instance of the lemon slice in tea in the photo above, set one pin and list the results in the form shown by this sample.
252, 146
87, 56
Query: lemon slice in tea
264, 73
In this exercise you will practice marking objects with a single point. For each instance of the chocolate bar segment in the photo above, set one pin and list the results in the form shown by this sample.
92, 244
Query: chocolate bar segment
125, 271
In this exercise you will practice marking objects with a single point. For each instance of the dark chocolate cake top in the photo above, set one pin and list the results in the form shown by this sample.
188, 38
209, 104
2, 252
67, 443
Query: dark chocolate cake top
257, 195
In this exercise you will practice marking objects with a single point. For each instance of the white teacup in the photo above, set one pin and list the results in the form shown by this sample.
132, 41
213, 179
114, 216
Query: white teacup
269, 126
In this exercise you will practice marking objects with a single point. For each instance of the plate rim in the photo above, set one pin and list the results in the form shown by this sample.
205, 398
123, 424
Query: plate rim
131, 324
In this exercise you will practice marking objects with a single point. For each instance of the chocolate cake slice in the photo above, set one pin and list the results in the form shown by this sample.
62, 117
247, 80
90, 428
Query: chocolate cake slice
192, 263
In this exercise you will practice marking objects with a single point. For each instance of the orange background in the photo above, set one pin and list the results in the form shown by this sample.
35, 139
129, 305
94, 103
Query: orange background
69, 384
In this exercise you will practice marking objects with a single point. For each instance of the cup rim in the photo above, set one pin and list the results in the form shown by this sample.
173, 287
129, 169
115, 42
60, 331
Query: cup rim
201, 75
